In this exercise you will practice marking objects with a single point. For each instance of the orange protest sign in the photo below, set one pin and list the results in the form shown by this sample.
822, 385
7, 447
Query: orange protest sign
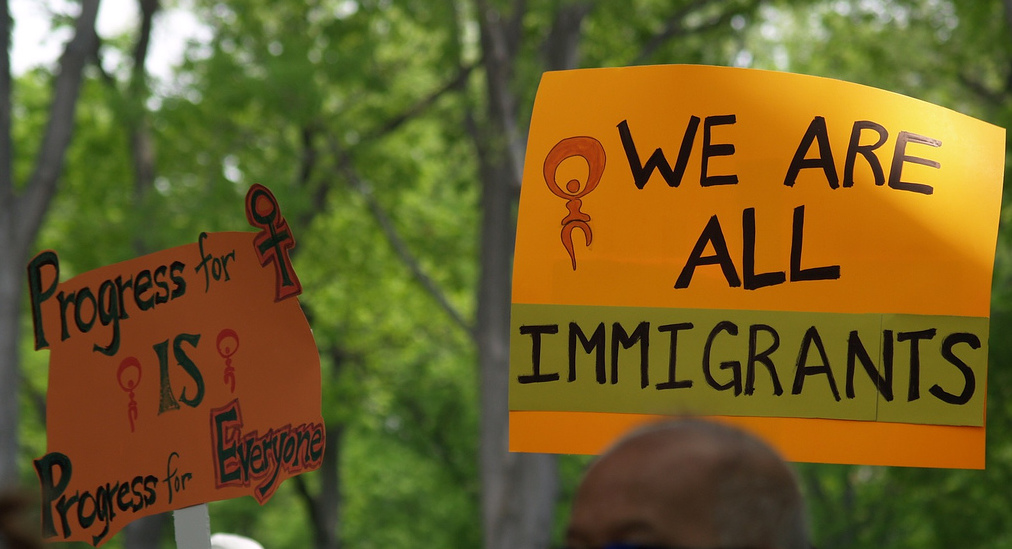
807, 257
181, 377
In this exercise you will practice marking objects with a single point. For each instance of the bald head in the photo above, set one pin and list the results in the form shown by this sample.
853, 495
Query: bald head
689, 483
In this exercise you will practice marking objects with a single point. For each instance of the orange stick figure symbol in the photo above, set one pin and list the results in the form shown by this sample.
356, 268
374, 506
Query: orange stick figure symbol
592, 152
129, 385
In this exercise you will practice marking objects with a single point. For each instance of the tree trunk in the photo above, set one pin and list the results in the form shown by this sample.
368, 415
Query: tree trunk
327, 504
324, 507
21, 216
10, 275
519, 490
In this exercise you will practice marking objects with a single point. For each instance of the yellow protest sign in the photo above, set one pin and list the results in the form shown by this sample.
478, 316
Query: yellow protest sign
806, 257
181, 377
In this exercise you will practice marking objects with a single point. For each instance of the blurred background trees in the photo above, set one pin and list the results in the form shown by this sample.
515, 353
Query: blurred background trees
393, 132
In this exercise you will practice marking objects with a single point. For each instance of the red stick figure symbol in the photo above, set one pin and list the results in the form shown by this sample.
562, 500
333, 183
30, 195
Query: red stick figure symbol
228, 344
129, 385
592, 152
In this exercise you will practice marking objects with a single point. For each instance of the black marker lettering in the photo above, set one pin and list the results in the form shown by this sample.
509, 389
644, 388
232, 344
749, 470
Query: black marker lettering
536, 332
673, 383
596, 343
733, 365
763, 357
969, 381
641, 173
803, 370
640, 335
713, 235
816, 132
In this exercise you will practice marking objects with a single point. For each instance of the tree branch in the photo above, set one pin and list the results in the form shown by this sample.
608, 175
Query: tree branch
498, 59
345, 167
1007, 4
148, 10
561, 48
514, 29
49, 163
142, 146
96, 61
433, 443
309, 161
1008, 13
310, 156
455, 84
674, 27
308, 499
973, 84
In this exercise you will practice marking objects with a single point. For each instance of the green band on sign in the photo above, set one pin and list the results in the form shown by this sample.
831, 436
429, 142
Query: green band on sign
870, 367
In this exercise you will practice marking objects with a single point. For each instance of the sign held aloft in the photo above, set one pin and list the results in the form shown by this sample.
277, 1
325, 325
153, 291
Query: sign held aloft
181, 377
808, 258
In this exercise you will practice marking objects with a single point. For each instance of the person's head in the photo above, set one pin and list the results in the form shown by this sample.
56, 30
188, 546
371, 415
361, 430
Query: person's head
689, 483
